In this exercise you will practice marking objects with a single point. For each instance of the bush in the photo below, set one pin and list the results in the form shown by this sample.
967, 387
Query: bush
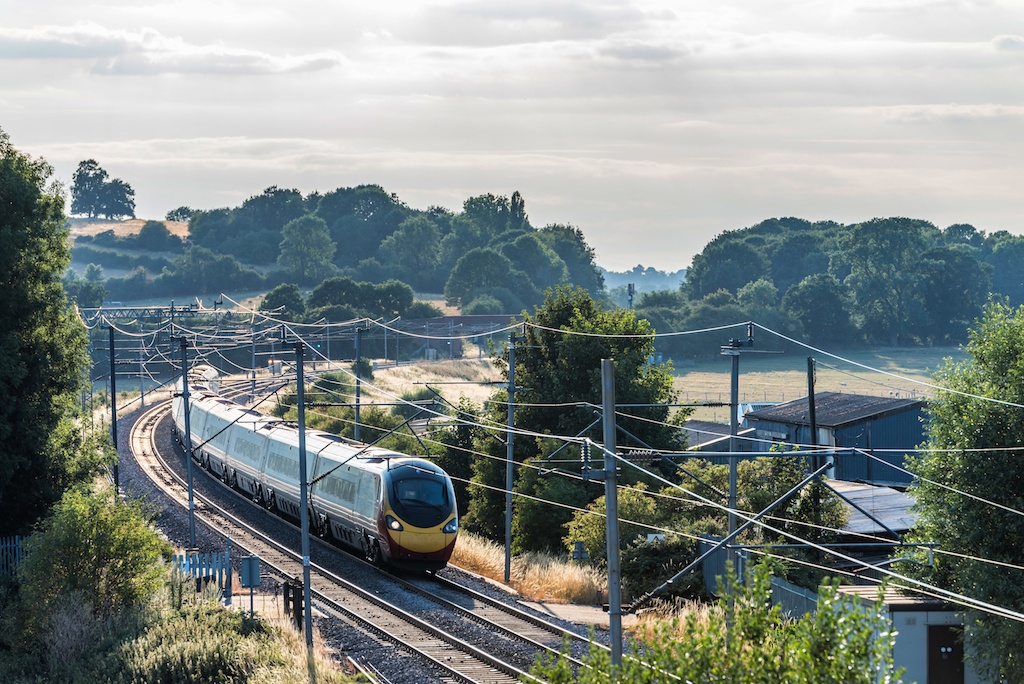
96, 545
405, 411
840, 643
422, 310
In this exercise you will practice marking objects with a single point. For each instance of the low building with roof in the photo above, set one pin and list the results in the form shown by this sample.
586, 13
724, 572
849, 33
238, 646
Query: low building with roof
888, 428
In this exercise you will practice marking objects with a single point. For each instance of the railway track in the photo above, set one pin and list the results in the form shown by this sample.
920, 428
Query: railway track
468, 656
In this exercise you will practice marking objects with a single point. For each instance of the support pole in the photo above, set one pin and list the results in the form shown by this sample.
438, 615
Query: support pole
509, 453
142, 371
188, 445
359, 358
304, 496
611, 498
815, 491
734, 429
113, 412
252, 385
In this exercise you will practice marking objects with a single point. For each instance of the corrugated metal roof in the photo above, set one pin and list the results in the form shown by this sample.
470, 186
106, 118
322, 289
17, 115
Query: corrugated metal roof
889, 506
833, 409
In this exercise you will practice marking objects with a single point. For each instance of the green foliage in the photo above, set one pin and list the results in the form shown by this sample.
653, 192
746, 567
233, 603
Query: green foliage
42, 343
556, 367
966, 438
182, 214
456, 456
422, 310
95, 544
94, 195
306, 249
83, 252
155, 236
288, 298
423, 394
841, 643
82, 291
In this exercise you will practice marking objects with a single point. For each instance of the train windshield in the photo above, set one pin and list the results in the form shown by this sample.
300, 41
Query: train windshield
421, 501
420, 491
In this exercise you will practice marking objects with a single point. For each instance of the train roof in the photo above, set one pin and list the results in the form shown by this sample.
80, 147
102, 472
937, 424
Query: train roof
326, 445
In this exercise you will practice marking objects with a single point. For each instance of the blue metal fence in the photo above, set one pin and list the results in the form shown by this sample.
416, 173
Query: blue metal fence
207, 567
10, 555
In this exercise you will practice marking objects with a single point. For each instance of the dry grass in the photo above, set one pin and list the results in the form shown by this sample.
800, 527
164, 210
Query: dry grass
471, 375
81, 226
650, 621
536, 576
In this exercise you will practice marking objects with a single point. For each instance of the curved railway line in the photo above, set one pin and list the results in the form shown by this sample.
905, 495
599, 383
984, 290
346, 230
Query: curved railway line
484, 640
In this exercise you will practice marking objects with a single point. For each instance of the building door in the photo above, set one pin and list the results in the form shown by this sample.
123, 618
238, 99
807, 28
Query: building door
945, 655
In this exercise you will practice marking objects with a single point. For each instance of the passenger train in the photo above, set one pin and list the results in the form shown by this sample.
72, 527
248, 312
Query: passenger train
396, 510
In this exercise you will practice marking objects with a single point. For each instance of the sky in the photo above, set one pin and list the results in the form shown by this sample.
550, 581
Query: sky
651, 126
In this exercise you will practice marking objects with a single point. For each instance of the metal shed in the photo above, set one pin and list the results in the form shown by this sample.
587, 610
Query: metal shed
889, 427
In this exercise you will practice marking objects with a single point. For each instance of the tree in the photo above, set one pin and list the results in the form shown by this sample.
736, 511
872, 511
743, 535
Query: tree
117, 200
560, 371
882, 255
87, 188
336, 291
288, 298
973, 446
306, 249
569, 243
413, 249
94, 195
42, 345
955, 288
539, 262
821, 303
725, 263
154, 235
477, 268
182, 214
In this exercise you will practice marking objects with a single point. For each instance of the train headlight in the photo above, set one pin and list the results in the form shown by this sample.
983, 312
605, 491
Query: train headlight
393, 524
452, 527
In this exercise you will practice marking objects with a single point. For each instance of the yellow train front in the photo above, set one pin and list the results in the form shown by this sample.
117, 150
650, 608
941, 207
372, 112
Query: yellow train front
418, 519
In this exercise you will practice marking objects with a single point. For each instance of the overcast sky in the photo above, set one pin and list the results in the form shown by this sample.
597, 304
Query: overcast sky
652, 126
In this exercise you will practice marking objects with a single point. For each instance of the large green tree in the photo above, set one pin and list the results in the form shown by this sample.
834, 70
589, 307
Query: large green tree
973, 446
42, 344
306, 249
94, 195
882, 256
558, 367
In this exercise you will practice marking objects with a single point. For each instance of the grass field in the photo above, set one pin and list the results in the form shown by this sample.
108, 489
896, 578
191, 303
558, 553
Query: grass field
783, 377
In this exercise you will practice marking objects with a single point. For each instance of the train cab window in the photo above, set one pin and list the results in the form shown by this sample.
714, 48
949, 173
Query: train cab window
420, 491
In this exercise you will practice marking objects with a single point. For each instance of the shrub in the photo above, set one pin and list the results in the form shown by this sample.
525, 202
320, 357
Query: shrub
94, 544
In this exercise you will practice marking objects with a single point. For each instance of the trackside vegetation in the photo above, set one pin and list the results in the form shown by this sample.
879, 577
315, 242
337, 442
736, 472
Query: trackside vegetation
96, 601
748, 641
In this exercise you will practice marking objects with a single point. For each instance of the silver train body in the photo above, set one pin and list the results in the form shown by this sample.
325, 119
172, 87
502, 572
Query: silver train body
394, 509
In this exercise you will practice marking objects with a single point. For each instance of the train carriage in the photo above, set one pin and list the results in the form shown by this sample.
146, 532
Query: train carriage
396, 509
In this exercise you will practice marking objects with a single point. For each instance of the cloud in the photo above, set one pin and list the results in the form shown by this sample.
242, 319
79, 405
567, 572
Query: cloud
950, 113
633, 51
1008, 43
487, 22
147, 51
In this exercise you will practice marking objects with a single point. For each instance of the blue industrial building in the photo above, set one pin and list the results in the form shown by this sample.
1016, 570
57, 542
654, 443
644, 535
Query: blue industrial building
887, 427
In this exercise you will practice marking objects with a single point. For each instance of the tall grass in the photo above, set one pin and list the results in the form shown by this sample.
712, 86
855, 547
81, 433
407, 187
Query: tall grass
178, 637
536, 576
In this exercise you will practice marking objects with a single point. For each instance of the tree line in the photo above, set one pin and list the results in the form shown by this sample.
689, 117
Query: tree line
886, 281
